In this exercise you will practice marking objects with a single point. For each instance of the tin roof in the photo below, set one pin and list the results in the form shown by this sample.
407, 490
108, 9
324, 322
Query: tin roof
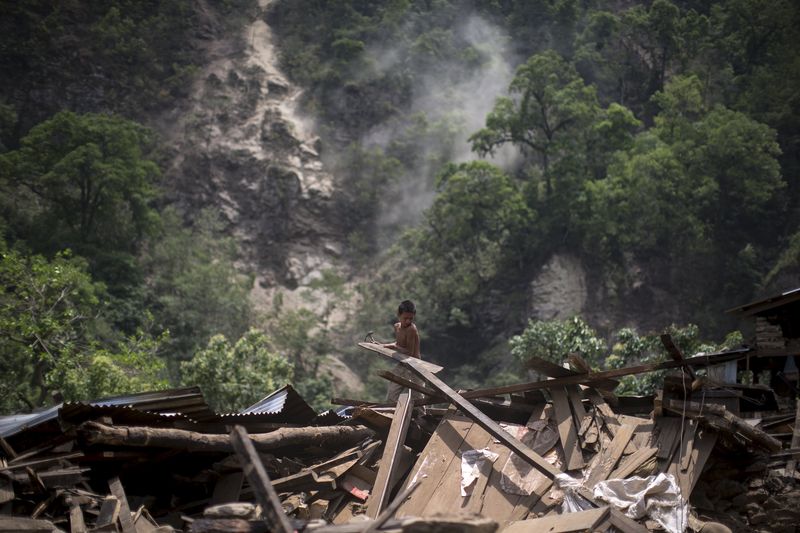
766, 304
285, 404
183, 402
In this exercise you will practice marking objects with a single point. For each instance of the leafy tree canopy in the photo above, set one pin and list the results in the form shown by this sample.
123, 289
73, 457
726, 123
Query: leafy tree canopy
91, 187
235, 375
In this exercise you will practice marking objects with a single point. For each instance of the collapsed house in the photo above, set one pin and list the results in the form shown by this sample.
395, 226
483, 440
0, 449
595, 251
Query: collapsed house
560, 454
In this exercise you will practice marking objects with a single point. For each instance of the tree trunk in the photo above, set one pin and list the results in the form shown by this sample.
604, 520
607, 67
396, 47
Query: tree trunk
322, 436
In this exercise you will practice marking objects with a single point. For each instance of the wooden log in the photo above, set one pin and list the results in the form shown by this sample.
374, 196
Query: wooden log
394, 443
259, 480
717, 417
330, 437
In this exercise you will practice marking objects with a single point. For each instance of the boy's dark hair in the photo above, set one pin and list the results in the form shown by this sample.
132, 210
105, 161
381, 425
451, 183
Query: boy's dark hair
406, 306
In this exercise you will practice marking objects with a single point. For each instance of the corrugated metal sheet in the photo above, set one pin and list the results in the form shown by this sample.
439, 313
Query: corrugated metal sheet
283, 405
186, 401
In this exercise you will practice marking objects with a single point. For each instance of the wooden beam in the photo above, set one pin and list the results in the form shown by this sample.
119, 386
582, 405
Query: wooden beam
791, 464
553, 370
494, 429
259, 480
125, 517
596, 377
399, 357
407, 383
394, 443
567, 432
387, 513
717, 417
675, 353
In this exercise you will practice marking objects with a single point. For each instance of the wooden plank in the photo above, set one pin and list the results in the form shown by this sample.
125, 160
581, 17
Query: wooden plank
604, 463
399, 357
125, 518
675, 353
688, 443
76, 522
573, 458
447, 497
608, 416
109, 512
484, 421
434, 461
633, 462
553, 370
394, 442
578, 410
387, 513
41, 462
598, 377
562, 523
705, 441
498, 504
625, 524
669, 428
227, 489
721, 419
791, 464
259, 481
407, 383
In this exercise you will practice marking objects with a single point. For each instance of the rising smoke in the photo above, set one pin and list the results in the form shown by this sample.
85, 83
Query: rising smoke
453, 102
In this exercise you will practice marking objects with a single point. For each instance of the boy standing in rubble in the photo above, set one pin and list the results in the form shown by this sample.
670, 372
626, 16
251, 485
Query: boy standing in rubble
406, 341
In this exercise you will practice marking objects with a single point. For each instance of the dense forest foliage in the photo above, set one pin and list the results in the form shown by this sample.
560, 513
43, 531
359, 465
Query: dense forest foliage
657, 141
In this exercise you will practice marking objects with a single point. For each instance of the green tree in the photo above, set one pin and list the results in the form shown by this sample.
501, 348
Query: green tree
50, 320
235, 376
92, 187
193, 286
549, 104
555, 340
693, 192
475, 230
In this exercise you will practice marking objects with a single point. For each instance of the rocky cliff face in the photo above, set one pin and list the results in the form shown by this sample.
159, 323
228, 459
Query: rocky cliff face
243, 149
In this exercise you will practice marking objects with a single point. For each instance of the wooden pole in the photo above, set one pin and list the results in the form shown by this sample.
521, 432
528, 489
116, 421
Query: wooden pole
259, 480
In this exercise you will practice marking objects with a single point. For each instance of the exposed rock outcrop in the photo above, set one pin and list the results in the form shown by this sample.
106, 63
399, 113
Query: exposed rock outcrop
244, 149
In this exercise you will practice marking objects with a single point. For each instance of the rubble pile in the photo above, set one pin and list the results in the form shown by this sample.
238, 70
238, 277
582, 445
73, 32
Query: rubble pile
559, 454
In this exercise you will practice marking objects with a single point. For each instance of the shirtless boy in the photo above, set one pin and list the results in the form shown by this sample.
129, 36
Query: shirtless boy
406, 340
406, 336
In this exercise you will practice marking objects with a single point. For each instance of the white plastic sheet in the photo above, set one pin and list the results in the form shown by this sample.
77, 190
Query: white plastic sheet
568, 486
658, 497
471, 463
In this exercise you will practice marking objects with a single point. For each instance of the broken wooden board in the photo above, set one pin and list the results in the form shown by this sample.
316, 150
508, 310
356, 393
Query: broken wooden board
399, 357
484, 421
605, 461
255, 473
600, 519
394, 443
573, 457
434, 462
